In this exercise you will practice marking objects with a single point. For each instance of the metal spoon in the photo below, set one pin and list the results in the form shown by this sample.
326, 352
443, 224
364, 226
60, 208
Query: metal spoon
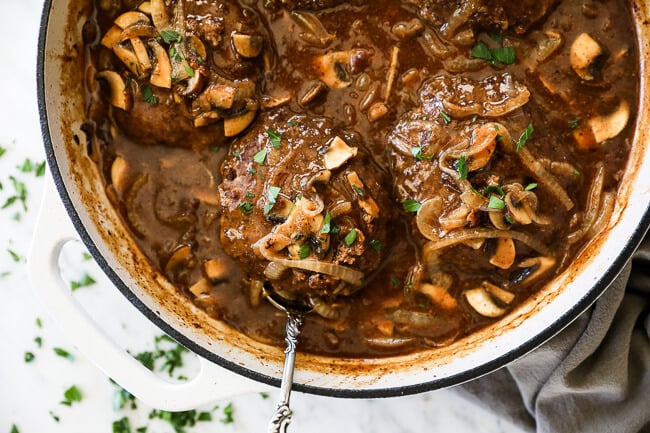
295, 312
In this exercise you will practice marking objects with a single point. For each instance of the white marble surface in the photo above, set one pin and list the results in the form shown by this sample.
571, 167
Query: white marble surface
30, 393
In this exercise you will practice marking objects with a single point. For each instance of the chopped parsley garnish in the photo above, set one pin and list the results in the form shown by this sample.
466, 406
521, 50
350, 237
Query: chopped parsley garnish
411, 205
179, 420
55, 417
445, 117
395, 281
358, 190
495, 56
462, 168
29, 356
496, 189
249, 194
496, 203
85, 281
147, 94
2, 150
417, 154
20, 194
39, 323
38, 341
71, 395
376, 245
504, 55
14, 256
574, 123
305, 251
121, 397
523, 138
27, 166
272, 198
260, 157
228, 414
351, 237
63, 353
215, 149
14, 429
189, 70
122, 426
530, 186
327, 224
275, 138
246, 207
170, 36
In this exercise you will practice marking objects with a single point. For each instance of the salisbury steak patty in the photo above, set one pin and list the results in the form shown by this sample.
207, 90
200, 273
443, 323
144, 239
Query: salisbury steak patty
303, 206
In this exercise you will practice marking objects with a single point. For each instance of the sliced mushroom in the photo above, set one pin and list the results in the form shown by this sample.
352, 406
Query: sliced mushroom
533, 268
161, 74
219, 95
248, 46
206, 118
234, 125
504, 253
502, 295
338, 153
585, 51
127, 19
129, 58
606, 127
119, 174
366, 203
332, 68
182, 256
551, 42
145, 7
112, 37
121, 96
138, 30
275, 101
455, 219
140, 51
483, 303
498, 220
159, 16
376, 111
522, 206
216, 270
438, 295
201, 287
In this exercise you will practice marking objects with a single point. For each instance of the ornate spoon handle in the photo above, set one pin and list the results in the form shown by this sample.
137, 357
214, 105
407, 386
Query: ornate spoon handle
282, 417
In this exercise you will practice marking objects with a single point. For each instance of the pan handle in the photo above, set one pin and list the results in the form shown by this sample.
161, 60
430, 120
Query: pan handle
210, 384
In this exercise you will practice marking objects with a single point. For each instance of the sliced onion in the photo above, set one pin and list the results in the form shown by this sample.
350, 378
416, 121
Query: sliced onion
349, 275
274, 271
605, 212
429, 211
485, 233
593, 203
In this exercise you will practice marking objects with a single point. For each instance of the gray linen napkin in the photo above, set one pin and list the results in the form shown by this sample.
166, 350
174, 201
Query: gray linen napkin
592, 377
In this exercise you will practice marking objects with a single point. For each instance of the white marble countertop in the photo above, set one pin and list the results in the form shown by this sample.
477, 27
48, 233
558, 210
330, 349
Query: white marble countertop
31, 392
